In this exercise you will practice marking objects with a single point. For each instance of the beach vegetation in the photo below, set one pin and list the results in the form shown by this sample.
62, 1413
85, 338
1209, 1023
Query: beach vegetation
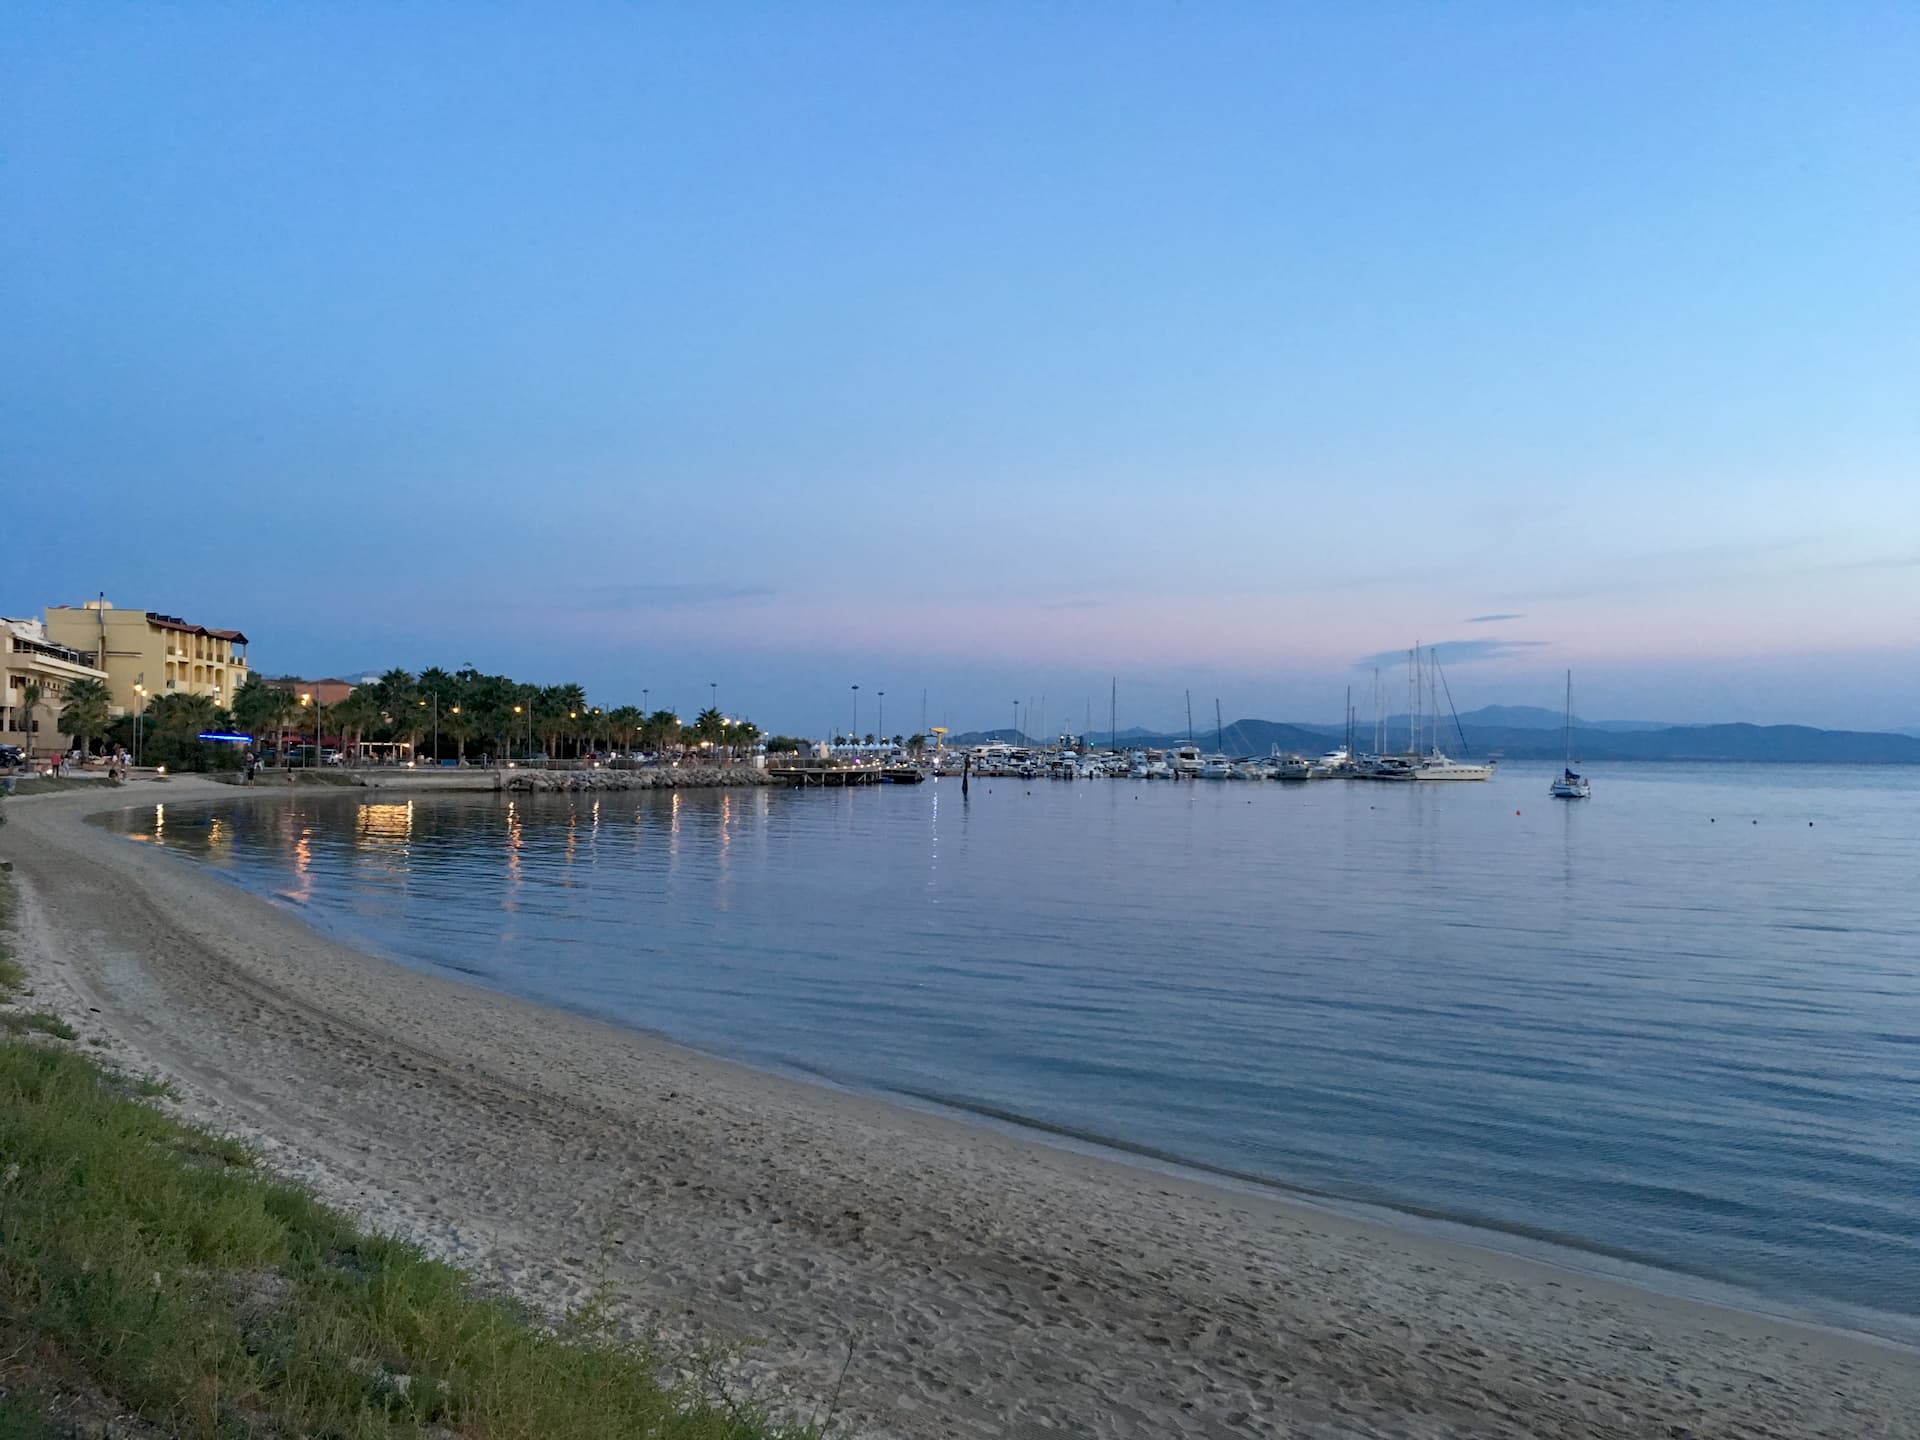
41, 1022
31, 694
149, 1269
88, 712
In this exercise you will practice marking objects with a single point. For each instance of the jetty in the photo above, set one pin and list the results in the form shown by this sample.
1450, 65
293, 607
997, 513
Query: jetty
825, 777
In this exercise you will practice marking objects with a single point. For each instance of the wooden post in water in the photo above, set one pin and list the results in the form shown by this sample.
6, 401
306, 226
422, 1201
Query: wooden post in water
966, 771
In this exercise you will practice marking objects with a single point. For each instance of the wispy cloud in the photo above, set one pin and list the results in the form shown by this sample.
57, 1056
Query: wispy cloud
1489, 619
1454, 652
669, 594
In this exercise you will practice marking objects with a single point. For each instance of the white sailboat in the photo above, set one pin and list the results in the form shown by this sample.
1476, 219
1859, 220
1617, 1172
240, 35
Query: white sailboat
1570, 786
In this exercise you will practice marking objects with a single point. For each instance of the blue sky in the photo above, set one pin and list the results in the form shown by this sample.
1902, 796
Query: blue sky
985, 351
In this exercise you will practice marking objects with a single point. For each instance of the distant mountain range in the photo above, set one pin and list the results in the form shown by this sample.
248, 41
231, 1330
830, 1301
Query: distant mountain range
1524, 732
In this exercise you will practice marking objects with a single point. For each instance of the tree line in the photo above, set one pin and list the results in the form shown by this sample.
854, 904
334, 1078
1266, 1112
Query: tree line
437, 713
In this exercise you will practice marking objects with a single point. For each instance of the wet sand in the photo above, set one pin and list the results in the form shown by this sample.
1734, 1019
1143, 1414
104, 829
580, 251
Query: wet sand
970, 1282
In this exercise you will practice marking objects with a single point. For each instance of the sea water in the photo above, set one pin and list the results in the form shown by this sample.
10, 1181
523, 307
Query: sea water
1677, 1024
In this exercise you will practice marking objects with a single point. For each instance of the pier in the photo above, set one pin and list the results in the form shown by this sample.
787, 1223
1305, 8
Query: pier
824, 777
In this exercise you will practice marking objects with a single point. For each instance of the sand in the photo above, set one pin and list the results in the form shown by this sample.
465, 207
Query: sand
971, 1282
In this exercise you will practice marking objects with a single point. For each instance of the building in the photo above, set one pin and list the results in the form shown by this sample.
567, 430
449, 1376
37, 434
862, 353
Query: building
31, 658
329, 692
161, 653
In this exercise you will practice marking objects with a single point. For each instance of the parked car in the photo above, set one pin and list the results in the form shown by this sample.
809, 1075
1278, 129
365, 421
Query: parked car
12, 755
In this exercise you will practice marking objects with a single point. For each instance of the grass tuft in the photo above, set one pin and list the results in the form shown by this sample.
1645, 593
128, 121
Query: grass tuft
41, 1021
160, 1263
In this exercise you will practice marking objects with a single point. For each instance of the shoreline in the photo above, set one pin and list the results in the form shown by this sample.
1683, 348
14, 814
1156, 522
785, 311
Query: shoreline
992, 1282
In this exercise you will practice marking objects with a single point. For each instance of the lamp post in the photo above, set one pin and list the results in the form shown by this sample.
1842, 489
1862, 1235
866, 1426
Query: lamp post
436, 741
139, 716
713, 694
881, 726
853, 737
306, 699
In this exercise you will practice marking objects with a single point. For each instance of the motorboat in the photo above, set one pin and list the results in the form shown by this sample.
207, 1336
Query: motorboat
1436, 766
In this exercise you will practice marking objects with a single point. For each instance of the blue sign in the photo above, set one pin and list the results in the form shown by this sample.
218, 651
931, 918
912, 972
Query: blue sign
222, 737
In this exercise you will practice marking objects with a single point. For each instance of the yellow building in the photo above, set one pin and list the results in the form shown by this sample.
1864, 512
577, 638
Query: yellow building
162, 653
29, 657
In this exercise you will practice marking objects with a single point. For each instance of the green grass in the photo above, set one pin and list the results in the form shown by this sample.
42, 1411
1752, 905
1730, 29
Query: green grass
38, 1021
154, 1268
158, 1263
47, 784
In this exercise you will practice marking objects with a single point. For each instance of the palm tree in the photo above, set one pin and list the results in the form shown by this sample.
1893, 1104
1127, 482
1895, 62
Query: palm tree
661, 730
463, 725
709, 727
88, 711
436, 691
258, 707
623, 723
31, 695
359, 713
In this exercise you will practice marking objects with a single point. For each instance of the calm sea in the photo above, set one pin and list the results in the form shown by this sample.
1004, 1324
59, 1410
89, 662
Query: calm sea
1677, 1025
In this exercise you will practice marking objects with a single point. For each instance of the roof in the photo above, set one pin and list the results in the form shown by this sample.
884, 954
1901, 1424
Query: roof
174, 622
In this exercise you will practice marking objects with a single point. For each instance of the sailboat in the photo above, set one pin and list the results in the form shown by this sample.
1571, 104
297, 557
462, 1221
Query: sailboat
1570, 786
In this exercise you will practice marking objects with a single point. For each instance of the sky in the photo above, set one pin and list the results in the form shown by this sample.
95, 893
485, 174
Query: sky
982, 352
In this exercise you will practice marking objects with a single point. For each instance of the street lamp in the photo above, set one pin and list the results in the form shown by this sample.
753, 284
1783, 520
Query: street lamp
139, 718
881, 726
854, 737
529, 709
306, 699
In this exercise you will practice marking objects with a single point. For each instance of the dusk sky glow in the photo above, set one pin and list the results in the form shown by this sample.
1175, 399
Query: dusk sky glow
985, 352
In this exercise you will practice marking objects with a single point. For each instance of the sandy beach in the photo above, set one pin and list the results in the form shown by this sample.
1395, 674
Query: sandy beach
969, 1282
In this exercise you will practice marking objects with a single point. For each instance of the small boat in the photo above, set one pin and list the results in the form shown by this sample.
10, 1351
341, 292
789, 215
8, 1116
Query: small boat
1570, 786
902, 775
1289, 767
1216, 767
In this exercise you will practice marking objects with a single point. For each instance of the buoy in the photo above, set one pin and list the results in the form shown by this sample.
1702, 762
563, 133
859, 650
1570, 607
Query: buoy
1516, 812
1756, 822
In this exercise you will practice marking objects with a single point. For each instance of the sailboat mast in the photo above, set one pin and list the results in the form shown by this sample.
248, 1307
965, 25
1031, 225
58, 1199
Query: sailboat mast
1113, 713
1219, 730
1413, 701
1189, 717
1569, 762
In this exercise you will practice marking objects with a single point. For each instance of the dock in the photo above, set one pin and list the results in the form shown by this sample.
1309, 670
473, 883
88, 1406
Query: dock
825, 777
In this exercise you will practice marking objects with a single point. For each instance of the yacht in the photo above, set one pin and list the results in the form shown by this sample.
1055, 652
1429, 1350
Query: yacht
1216, 767
1333, 763
1435, 766
1187, 761
1289, 767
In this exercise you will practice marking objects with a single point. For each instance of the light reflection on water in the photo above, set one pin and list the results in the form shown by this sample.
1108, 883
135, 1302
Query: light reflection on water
1644, 1024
